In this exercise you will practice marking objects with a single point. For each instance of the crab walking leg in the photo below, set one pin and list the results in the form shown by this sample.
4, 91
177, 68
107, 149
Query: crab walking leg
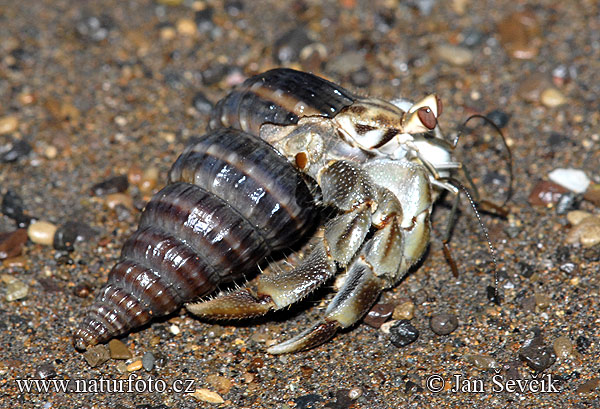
272, 291
359, 292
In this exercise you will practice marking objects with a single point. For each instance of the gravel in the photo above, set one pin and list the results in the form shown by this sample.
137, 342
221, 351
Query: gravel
111, 84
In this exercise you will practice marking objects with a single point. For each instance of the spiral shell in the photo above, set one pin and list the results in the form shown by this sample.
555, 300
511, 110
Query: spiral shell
279, 96
231, 201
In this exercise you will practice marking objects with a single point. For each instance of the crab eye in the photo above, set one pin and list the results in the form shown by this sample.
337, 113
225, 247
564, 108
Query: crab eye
427, 117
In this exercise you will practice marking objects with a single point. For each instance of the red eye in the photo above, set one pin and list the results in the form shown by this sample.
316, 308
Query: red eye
427, 117
440, 108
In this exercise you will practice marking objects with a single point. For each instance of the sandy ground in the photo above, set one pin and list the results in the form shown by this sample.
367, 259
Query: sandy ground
100, 89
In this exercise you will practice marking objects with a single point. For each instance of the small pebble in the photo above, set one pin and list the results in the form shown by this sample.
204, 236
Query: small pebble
114, 200
537, 355
355, 393
204, 19
592, 194
13, 150
41, 232
568, 201
50, 152
403, 333
12, 205
551, 97
499, 118
96, 355
531, 88
8, 124
443, 324
135, 366
149, 180
586, 232
70, 233
563, 347
520, 34
115, 184
588, 386
454, 55
404, 311
82, 290
45, 371
574, 180
174, 329
11, 243
118, 350
202, 104
546, 193
148, 361
206, 395
575, 217
287, 48
186, 27
379, 314
15, 288
542, 301
482, 361
583, 344
221, 384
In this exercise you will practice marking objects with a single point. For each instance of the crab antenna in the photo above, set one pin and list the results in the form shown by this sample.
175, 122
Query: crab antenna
484, 229
508, 151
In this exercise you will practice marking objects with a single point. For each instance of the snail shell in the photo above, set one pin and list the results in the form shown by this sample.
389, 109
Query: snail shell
231, 201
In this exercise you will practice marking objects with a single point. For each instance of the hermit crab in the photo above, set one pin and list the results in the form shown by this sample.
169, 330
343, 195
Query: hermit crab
284, 145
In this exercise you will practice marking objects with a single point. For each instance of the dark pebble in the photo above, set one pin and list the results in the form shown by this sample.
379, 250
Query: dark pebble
45, 371
537, 355
287, 47
562, 254
499, 118
82, 290
403, 333
583, 344
567, 202
215, 73
148, 361
13, 150
11, 244
472, 37
443, 324
113, 185
71, 232
379, 314
14, 208
412, 387
12, 205
202, 104
592, 254
557, 139
525, 269
93, 28
307, 401
234, 7
342, 400
204, 19
493, 295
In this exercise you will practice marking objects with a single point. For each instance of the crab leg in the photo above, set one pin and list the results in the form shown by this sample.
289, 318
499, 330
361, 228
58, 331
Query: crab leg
359, 292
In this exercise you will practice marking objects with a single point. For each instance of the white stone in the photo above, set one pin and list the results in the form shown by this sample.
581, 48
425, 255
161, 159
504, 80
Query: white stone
573, 179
